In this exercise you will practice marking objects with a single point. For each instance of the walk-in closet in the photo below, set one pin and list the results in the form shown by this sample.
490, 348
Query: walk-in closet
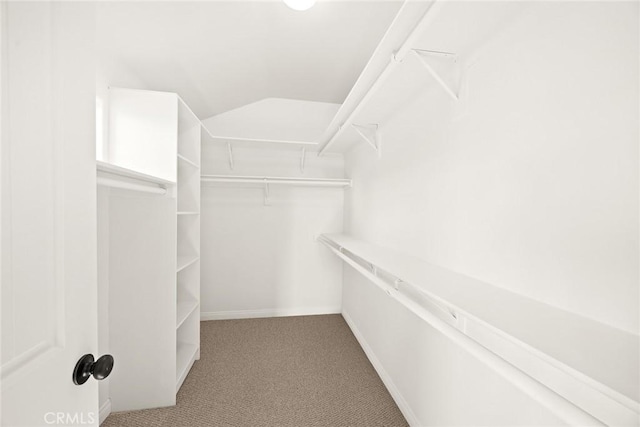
266, 213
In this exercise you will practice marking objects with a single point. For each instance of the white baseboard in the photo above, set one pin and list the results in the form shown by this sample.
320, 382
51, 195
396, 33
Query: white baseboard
105, 410
404, 407
254, 314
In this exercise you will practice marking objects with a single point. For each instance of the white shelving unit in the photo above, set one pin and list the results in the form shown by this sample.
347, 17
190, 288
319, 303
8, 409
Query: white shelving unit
154, 147
188, 242
581, 362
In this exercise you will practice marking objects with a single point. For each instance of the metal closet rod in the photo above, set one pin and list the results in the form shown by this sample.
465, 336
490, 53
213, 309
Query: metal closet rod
320, 182
395, 59
566, 410
115, 183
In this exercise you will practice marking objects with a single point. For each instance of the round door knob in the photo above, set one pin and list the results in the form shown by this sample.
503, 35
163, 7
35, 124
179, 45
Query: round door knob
86, 367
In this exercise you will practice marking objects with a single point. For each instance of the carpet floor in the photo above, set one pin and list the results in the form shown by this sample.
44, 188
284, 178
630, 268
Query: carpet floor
286, 371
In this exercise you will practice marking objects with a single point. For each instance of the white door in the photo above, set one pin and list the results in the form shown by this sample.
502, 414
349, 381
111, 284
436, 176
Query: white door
48, 212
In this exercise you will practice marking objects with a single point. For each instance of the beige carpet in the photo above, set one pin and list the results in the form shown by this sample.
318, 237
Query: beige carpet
287, 371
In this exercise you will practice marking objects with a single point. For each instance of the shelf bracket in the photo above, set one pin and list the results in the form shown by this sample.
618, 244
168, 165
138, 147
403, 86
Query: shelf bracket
266, 193
230, 153
451, 58
304, 151
370, 134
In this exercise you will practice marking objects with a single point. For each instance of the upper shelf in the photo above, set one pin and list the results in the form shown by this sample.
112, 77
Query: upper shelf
264, 143
111, 169
599, 355
110, 175
309, 182
428, 44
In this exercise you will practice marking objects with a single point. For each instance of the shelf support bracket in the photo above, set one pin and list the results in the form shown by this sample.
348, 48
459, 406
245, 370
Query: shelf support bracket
370, 134
304, 151
422, 55
230, 153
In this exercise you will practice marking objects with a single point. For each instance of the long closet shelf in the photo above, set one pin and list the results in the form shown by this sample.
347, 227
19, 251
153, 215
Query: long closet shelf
188, 213
185, 261
603, 358
185, 356
317, 182
263, 142
183, 310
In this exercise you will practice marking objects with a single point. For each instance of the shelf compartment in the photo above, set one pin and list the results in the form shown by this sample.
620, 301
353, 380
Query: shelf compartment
186, 355
189, 131
184, 310
188, 189
188, 162
185, 261
188, 236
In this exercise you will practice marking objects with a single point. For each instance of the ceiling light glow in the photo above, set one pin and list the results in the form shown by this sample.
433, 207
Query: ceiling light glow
300, 4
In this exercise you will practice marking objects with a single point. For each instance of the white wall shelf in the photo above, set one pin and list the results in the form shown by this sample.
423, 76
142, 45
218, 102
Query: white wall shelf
261, 180
263, 143
420, 36
188, 213
588, 363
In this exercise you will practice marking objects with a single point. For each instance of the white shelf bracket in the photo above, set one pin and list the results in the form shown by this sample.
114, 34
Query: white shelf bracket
266, 193
370, 134
304, 152
452, 58
230, 153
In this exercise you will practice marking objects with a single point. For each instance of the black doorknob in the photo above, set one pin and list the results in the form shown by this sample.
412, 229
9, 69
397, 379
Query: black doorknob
86, 367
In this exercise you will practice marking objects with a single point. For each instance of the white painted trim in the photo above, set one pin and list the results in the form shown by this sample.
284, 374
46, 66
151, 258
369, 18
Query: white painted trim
105, 410
404, 407
271, 312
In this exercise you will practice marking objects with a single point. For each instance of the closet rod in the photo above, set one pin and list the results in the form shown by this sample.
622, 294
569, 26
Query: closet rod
566, 410
321, 182
395, 59
109, 182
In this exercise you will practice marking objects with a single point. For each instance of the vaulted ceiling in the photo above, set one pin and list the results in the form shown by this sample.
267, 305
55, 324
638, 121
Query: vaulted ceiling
219, 55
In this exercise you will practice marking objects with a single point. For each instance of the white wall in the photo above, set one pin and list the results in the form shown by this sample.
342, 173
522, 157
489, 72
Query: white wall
262, 260
530, 185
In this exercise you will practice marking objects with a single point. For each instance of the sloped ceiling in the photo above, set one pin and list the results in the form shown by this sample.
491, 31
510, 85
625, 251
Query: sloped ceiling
222, 55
